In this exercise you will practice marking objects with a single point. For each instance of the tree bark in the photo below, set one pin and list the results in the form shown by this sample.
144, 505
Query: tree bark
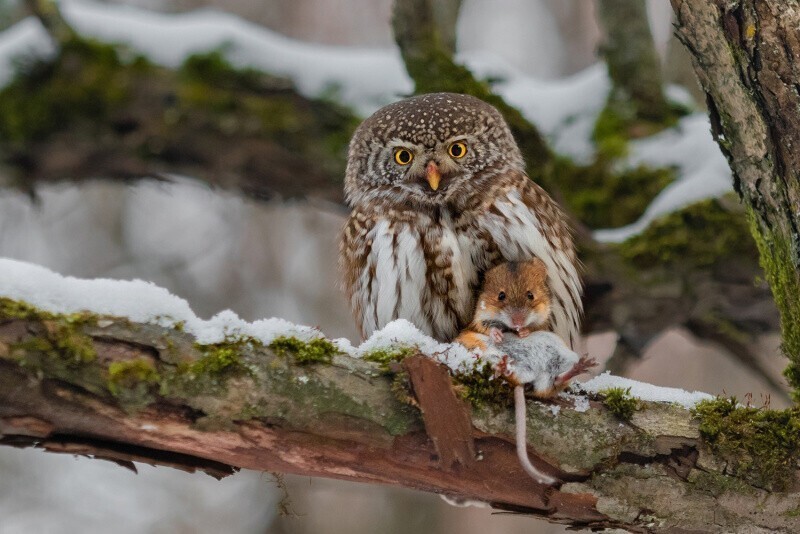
747, 57
109, 388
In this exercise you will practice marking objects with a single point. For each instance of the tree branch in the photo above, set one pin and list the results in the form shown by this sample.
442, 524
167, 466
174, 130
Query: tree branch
633, 63
109, 388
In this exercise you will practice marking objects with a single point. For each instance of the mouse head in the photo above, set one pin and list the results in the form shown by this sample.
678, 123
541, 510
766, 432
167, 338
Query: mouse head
515, 298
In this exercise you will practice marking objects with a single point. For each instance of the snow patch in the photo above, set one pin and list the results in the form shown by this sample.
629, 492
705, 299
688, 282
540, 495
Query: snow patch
580, 403
139, 301
644, 391
401, 333
145, 302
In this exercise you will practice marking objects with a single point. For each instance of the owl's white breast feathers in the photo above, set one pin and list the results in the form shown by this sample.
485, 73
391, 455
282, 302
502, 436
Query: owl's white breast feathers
392, 283
419, 272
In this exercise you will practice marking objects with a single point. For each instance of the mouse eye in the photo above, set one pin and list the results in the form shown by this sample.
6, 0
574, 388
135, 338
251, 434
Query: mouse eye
501, 296
530, 295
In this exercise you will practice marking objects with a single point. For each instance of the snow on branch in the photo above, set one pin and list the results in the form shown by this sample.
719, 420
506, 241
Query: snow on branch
125, 371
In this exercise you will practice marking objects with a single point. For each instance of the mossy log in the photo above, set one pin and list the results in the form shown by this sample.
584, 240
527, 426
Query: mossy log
747, 57
108, 388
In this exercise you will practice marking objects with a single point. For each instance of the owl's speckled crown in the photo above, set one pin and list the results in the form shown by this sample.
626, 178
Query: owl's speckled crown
428, 119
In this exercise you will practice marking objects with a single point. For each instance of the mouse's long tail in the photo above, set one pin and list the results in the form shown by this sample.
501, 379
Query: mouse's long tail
522, 446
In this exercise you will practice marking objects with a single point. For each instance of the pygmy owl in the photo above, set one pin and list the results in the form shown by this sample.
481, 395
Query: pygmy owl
439, 195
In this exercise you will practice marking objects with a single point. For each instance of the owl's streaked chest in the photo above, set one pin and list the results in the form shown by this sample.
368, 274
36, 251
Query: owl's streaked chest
422, 268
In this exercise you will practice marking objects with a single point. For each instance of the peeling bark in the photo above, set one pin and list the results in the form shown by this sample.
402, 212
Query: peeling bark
342, 420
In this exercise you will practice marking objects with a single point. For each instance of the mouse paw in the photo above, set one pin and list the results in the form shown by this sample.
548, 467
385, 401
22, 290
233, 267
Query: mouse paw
495, 335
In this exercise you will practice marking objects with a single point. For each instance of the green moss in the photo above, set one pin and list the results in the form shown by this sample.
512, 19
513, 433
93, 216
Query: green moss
87, 79
209, 374
14, 309
482, 387
761, 446
620, 121
212, 68
777, 258
132, 374
315, 351
699, 235
216, 360
620, 403
56, 345
610, 135
385, 357
604, 197
70, 343
60, 337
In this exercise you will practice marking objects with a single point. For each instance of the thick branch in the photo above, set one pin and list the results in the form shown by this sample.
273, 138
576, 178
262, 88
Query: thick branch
105, 387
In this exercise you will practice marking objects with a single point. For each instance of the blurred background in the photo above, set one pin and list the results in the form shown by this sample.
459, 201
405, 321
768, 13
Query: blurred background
200, 144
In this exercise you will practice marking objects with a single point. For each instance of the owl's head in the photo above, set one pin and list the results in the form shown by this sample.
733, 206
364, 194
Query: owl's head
429, 150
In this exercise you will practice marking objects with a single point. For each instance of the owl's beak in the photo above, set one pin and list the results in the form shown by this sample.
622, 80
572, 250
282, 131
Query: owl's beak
432, 175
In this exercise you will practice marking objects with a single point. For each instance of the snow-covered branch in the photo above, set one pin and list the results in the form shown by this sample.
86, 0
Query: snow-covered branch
127, 372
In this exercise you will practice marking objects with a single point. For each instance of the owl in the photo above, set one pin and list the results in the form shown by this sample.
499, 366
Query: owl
439, 195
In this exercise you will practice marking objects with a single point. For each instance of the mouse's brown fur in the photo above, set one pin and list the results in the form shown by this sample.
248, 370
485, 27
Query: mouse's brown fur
515, 298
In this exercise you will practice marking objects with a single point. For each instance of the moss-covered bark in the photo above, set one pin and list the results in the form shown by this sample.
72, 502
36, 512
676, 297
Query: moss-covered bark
746, 57
152, 394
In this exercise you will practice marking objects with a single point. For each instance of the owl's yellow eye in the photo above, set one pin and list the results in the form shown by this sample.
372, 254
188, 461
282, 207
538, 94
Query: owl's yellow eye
403, 156
458, 150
